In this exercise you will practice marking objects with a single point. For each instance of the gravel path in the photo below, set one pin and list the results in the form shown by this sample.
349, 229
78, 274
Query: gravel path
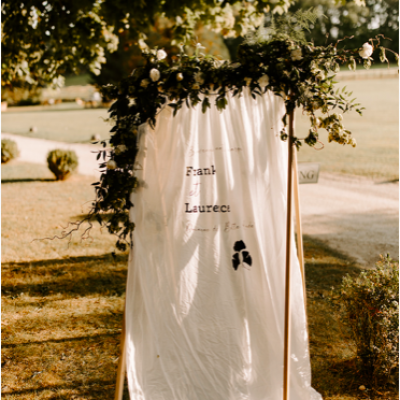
354, 215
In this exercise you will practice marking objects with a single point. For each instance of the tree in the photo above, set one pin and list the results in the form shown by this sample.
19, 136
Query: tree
42, 40
363, 19
128, 56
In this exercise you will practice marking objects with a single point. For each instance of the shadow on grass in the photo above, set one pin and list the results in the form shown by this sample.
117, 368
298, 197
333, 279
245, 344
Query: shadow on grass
332, 353
71, 277
6, 345
27, 180
325, 268
96, 386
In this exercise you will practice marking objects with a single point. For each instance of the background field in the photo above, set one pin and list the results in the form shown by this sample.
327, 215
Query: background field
64, 122
376, 132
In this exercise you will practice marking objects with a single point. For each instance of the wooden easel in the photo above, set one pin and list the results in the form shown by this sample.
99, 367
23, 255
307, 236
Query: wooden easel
292, 183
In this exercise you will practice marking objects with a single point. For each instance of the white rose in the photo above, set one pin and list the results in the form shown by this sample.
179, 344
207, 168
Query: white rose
296, 54
198, 77
154, 74
111, 164
144, 83
161, 54
120, 149
366, 50
263, 80
248, 81
179, 76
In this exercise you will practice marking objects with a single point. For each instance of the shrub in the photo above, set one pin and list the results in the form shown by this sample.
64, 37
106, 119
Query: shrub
62, 163
9, 150
370, 303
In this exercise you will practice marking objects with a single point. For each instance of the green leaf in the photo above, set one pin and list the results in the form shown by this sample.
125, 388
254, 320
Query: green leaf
205, 104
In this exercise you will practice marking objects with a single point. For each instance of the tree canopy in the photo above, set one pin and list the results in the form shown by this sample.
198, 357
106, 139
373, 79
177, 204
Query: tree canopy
42, 40
361, 19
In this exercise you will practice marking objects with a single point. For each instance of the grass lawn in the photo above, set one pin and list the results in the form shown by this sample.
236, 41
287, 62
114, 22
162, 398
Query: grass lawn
64, 122
35, 206
376, 154
62, 306
376, 132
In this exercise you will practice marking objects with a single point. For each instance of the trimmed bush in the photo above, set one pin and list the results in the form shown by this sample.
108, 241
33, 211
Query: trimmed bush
9, 150
370, 303
62, 163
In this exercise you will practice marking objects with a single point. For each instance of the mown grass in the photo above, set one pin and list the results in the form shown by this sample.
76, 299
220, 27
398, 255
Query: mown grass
62, 310
376, 155
64, 122
35, 206
376, 132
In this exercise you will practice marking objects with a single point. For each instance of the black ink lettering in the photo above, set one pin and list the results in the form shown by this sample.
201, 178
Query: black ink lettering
207, 171
213, 170
199, 172
188, 170
209, 208
202, 210
187, 208
194, 209
215, 208
222, 209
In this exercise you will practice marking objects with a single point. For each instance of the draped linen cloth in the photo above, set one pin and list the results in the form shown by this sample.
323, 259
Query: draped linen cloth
206, 280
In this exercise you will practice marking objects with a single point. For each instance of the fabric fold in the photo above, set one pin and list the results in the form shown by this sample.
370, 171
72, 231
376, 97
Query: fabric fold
206, 280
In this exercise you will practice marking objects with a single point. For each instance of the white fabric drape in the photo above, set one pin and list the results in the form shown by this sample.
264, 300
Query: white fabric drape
206, 279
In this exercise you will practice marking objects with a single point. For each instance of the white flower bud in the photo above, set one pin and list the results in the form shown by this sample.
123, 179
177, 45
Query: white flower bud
154, 74
352, 64
111, 164
161, 54
179, 76
366, 50
263, 80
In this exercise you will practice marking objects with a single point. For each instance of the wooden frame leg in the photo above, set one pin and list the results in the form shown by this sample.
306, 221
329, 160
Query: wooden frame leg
286, 348
300, 248
119, 389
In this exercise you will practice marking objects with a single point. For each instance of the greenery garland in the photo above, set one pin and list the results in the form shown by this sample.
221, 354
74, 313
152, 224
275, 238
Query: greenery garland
301, 73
